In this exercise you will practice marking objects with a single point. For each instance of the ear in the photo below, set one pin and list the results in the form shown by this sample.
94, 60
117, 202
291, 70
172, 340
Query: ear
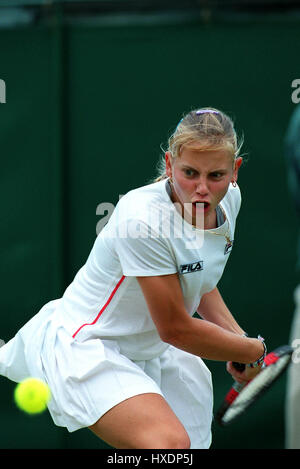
237, 164
168, 159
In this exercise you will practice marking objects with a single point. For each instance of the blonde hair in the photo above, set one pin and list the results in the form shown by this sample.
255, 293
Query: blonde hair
204, 129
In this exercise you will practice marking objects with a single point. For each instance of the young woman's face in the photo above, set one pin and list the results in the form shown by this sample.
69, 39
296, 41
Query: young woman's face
200, 180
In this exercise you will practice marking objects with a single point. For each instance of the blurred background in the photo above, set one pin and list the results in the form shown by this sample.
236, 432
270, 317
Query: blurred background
92, 91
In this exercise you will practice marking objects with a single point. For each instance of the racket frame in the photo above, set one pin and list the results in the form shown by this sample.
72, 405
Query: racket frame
270, 359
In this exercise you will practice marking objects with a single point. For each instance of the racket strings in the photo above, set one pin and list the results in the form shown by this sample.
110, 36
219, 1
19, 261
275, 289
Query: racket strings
256, 387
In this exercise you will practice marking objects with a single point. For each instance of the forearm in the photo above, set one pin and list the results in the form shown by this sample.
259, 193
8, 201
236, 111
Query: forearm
210, 341
222, 341
212, 308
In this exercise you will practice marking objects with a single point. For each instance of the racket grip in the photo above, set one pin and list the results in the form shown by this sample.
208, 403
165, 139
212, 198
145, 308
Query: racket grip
239, 366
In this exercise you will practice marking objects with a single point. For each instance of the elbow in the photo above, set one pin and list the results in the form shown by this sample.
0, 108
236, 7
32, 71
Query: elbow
172, 336
168, 338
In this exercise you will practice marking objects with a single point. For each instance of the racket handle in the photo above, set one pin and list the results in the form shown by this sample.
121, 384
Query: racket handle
239, 366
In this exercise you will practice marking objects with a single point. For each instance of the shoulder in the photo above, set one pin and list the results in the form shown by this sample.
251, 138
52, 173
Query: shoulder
233, 199
143, 202
147, 192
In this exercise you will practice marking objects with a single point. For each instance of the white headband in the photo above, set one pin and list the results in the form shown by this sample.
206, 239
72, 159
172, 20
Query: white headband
202, 111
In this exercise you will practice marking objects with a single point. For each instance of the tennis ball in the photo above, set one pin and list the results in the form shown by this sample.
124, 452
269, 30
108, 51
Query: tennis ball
32, 395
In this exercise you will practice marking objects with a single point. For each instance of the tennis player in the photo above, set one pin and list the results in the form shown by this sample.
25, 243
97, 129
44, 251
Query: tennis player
121, 350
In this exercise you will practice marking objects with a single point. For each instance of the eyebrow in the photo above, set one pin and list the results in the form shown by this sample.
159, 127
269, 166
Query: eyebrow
218, 170
186, 166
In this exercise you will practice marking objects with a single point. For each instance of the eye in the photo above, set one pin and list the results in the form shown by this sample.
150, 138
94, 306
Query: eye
217, 175
188, 172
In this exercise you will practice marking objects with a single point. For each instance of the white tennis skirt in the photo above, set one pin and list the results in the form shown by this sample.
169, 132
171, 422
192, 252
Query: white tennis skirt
89, 378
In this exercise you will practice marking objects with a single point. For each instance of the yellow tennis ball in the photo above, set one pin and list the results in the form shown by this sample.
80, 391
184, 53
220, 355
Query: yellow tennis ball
32, 395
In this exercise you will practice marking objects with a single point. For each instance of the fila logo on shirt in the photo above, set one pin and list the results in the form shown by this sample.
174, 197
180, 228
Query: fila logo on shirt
190, 268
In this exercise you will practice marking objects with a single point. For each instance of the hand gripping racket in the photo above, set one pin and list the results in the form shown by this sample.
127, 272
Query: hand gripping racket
241, 396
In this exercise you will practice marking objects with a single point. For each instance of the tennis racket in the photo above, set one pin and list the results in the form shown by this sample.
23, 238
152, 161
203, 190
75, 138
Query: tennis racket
241, 396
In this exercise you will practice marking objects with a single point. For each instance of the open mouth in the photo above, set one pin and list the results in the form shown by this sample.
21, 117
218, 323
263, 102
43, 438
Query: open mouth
201, 205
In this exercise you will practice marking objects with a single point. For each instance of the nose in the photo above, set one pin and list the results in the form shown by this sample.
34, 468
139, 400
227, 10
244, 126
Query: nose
201, 187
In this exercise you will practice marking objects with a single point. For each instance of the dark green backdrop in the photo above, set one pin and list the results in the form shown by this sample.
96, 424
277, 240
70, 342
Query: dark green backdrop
88, 105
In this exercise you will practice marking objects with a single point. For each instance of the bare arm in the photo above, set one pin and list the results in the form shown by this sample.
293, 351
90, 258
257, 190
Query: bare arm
199, 337
212, 308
